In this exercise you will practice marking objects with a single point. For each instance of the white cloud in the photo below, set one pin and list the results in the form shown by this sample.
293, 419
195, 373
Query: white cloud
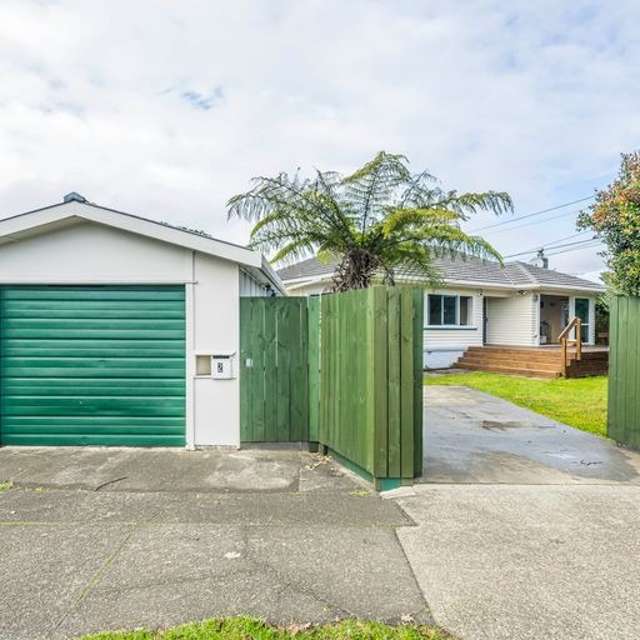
166, 109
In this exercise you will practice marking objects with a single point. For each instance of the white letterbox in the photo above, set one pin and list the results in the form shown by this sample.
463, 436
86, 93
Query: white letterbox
222, 366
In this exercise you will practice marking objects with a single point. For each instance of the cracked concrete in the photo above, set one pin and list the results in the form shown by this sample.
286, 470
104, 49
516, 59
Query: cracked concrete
309, 548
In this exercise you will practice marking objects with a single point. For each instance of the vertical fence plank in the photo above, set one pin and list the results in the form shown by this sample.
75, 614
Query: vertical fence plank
408, 387
313, 332
283, 368
258, 375
271, 373
623, 423
394, 388
418, 354
378, 301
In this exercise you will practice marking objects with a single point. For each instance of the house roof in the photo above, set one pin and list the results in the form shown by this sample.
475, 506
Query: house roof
461, 269
76, 209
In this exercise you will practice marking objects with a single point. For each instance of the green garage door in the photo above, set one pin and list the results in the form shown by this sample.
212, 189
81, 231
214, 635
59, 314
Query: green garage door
101, 365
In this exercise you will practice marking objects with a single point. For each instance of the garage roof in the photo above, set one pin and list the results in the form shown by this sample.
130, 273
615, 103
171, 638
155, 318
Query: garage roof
75, 207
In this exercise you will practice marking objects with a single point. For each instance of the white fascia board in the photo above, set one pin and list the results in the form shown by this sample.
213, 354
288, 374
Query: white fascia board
513, 287
308, 279
20, 225
569, 290
295, 283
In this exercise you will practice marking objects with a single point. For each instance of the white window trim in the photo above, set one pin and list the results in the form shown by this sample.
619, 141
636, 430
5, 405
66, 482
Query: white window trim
457, 296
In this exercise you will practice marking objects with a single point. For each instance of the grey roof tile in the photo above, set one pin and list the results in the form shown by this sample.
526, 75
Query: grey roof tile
461, 269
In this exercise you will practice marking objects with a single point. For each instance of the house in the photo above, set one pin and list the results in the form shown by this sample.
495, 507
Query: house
119, 330
480, 303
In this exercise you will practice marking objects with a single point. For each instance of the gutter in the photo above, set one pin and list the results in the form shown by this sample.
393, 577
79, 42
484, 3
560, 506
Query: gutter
268, 271
298, 283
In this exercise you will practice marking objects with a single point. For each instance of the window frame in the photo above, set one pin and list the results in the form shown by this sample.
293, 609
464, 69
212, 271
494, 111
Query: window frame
457, 324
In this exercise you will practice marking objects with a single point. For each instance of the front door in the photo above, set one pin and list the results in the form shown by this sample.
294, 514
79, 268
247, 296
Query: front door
582, 312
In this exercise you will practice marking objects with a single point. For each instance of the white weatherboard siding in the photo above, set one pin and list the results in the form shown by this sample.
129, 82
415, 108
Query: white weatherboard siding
513, 320
87, 253
444, 345
250, 287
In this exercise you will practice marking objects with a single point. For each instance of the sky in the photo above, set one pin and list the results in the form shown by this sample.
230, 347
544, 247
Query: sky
166, 109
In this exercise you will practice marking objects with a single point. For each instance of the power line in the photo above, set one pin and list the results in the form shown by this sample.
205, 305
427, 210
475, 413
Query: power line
590, 246
531, 215
534, 222
549, 245
573, 235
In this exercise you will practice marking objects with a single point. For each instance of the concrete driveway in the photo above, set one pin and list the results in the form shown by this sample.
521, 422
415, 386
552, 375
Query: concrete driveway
97, 539
527, 529
472, 437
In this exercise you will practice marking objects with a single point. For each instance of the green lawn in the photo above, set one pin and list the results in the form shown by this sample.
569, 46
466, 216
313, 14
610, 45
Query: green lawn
579, 402
251, 629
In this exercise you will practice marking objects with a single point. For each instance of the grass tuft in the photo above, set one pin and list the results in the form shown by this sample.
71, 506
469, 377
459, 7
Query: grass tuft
6, 485
242, 628
578, 402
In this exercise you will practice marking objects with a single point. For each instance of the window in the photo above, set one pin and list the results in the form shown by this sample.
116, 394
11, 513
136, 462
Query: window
449, 311
435, 309
465, 310
582, 311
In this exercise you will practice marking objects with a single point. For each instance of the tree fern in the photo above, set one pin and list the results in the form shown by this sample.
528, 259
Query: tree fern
377, 220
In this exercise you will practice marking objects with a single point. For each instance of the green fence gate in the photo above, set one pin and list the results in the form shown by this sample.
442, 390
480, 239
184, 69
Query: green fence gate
342, 371
273, 370
371, 381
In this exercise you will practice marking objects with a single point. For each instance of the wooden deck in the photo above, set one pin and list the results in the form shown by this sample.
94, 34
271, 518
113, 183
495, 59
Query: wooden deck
543, 362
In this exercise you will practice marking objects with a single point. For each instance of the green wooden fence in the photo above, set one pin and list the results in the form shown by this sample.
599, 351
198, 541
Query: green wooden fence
343, 371
624, 371
371, 381
273, 370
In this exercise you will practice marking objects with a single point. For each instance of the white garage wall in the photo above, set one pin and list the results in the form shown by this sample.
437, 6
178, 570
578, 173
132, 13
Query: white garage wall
89, 253
216, 316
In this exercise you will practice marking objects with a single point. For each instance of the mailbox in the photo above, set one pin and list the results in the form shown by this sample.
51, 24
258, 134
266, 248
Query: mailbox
218, 366
222, 366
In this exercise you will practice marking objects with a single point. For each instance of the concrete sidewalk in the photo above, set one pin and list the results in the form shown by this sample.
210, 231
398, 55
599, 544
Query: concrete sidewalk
301, 542
500, 562
527, 528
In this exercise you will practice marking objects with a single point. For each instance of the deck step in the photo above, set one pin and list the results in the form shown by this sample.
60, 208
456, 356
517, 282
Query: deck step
520, 363
540, 362
514, 370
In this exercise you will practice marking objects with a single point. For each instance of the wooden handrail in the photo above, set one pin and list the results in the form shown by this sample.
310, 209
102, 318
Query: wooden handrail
574, 323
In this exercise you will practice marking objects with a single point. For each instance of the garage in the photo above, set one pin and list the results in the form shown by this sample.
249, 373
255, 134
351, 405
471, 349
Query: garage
92, 365
110, 326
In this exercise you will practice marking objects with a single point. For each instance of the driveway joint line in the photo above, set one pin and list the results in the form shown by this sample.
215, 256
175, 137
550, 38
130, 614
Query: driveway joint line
99, 574
427, 606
